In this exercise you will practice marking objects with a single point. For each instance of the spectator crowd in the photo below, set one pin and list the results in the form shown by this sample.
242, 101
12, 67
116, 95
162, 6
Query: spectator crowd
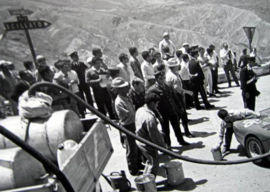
145, 98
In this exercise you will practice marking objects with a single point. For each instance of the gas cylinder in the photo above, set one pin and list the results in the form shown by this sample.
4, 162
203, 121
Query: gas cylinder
44, 134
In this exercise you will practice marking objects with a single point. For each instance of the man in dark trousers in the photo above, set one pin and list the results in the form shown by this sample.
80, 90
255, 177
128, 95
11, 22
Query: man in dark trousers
80, 69
126, 112
243, 61
94, 78
197, 80
227, 58
169, 107
248, 81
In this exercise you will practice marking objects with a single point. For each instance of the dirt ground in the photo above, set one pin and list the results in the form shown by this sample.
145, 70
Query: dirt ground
205, 125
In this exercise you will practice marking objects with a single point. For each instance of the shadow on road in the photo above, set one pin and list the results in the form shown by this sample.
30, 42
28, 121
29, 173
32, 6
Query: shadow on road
179, 150
203, 134
189, 184
196, 121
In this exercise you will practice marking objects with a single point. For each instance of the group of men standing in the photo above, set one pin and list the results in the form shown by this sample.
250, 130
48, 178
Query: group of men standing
144, 97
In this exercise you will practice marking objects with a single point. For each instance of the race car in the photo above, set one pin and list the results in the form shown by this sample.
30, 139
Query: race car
254, 135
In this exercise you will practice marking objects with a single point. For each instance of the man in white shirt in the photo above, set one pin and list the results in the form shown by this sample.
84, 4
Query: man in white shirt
205, 65
126, 71
147, 70
166, 42
173, 79
227, 57
185, 76
214, 64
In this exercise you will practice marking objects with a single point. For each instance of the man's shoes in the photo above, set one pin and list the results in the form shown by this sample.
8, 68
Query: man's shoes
212, 95
189, 135
218, 92
199, 108
184, 143
209, 106
230, 86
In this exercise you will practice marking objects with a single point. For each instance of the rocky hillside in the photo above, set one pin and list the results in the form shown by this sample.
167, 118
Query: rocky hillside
116, 25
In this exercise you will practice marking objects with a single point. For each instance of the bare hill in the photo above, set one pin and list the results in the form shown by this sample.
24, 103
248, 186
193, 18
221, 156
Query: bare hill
116, 25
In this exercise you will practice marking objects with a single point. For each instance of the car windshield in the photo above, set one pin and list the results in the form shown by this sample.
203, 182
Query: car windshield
265, 117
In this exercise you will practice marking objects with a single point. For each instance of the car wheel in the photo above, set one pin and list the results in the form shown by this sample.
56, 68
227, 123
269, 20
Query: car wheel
254, 148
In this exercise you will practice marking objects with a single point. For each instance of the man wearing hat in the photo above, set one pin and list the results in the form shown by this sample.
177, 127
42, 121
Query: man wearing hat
184, 48
248, 81
197, 81
166, 42
169, 107
80, 69
174, 80
126, 114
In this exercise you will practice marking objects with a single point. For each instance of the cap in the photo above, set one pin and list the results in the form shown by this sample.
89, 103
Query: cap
172, 62
75, 53
185, 44
119, 82
165, 34
3, 62
39, 57
9, 62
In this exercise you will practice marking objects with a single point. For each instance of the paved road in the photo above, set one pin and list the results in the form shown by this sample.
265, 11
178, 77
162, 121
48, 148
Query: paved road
205, 125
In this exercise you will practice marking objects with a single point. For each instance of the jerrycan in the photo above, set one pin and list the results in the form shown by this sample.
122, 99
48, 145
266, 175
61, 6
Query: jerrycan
216, 152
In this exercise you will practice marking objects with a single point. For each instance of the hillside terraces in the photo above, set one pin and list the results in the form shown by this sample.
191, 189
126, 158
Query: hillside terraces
116, 25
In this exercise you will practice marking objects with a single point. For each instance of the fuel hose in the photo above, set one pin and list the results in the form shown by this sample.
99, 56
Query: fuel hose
36, 86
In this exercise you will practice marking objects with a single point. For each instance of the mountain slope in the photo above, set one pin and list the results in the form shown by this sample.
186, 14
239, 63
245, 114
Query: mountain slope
116, 25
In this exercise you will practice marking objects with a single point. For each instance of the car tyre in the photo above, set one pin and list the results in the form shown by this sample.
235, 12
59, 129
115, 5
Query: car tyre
255, 148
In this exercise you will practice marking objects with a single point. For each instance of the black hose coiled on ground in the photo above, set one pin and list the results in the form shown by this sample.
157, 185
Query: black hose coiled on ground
35, 87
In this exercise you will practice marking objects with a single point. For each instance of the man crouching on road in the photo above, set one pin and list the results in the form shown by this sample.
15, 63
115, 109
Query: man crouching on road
228, 117
146, 127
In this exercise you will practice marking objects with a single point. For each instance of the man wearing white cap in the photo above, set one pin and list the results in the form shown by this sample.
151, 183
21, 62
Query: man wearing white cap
184, 48
166, 42
126, 114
